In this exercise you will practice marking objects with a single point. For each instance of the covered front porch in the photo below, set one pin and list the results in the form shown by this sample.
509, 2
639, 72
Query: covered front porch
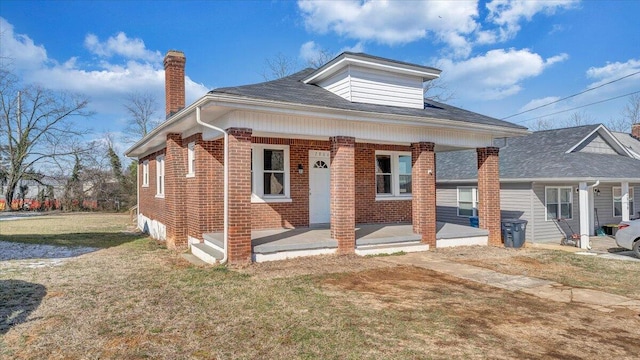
371, 239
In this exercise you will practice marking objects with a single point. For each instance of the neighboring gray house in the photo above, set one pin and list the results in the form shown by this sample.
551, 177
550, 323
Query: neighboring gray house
582, 174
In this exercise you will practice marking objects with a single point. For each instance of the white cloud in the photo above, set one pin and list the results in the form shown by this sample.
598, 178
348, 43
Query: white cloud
393, 22
121, 45
357, 48
310, 51
19, 50
539, 102
496, 74
508, 14
612, 71
106, 82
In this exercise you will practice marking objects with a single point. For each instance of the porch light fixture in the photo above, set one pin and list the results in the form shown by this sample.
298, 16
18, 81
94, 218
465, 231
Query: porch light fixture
300, 169
596, 191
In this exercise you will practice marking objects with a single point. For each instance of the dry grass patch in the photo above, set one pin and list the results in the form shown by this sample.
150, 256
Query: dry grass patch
614, 276
70, 229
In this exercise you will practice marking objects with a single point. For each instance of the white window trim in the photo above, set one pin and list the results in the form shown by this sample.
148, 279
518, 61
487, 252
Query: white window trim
632, 206
257, 192
160, 176
474, 200
191, 156
145, 173
546, 213
395, 176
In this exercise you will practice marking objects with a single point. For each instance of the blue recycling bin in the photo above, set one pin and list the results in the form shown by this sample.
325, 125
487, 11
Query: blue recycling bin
474, 221
513, 232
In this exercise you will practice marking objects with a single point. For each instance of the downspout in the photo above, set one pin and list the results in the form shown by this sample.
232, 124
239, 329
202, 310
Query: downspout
225, 231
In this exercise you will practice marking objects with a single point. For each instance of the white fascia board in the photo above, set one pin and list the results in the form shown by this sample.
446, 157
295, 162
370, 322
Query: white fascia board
353, 115
347, 60
240, 103
608, 136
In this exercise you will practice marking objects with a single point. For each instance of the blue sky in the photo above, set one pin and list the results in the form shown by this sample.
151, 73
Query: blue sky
498, 57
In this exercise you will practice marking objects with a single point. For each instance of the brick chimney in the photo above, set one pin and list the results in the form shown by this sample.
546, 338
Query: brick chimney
174, 63
635, 131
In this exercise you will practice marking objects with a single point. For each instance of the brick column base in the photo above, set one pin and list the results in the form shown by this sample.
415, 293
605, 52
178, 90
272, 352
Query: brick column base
489, 193
343, 193
239, 237
423, 188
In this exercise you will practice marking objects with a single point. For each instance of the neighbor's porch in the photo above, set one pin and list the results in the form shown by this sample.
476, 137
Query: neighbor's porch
371, 239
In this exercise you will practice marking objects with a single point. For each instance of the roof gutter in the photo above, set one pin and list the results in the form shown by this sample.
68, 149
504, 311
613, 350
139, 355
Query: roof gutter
225, 232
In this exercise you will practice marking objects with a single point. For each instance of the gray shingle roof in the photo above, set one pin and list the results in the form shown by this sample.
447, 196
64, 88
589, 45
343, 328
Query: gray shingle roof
542, 155
292, 90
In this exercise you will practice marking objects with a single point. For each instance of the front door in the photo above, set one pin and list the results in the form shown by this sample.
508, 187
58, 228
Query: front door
319, 179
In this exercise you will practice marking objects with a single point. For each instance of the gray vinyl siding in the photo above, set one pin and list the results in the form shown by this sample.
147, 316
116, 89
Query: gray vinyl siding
603, 203
550, 230
447, 204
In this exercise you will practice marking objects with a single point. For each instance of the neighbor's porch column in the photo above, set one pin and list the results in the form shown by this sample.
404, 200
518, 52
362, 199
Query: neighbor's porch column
343, 193
423, 188
489, 193
624, 189
583, 197
239, 236
174, 193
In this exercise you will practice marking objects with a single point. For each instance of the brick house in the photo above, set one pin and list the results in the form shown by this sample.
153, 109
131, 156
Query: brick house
329, 150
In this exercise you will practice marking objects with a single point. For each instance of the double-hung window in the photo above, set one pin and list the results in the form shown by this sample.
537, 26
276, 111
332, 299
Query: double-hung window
270, 173
160, 176
393, 174
617, 201
191, 159
467, 201
145, 173
559, 202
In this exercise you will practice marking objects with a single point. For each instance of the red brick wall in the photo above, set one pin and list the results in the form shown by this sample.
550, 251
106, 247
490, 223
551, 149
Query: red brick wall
174, 63
635, 131
294, 213
489, 193
424, 191
150, 206
368, 210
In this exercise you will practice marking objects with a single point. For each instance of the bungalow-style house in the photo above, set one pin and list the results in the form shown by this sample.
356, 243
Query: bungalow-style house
563, 182
323, 151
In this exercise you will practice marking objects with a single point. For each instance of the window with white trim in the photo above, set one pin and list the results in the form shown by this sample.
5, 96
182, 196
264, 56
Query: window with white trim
467, 201
191, 159
160, 176
617, 201
558, 202
145, 173
393, 174
270, 172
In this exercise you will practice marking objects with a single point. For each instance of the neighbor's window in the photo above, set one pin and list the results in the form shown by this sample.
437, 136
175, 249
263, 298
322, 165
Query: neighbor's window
191, 159
145, 173
393, 174
559, 203
617, 201
270, 172
467, 201
160, 176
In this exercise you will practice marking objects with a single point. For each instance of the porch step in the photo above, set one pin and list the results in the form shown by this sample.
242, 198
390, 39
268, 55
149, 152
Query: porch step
215, 240
206, 253
390, 248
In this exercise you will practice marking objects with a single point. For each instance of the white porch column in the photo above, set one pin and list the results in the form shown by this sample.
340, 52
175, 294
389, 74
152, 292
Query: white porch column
583, 193
624, 189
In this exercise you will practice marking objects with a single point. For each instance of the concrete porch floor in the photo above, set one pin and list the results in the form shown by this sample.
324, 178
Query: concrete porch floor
319, 237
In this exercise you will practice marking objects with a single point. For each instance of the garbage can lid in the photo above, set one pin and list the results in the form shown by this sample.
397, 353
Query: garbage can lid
514, 221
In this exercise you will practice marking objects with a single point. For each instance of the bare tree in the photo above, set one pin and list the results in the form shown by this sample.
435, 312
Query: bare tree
141, 108
37, 126
437, 90
542, 124
578, 119
278, 67
322, 57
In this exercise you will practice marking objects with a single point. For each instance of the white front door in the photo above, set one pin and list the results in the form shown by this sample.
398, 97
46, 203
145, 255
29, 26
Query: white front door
319, 179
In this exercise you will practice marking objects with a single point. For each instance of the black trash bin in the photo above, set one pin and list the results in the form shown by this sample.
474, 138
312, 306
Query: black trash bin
513, 232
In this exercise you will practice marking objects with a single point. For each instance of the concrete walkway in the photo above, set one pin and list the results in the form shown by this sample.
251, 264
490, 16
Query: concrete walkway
544, 289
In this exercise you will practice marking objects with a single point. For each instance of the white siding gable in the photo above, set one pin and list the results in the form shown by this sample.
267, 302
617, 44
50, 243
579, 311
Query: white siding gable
369, 86
596, 144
